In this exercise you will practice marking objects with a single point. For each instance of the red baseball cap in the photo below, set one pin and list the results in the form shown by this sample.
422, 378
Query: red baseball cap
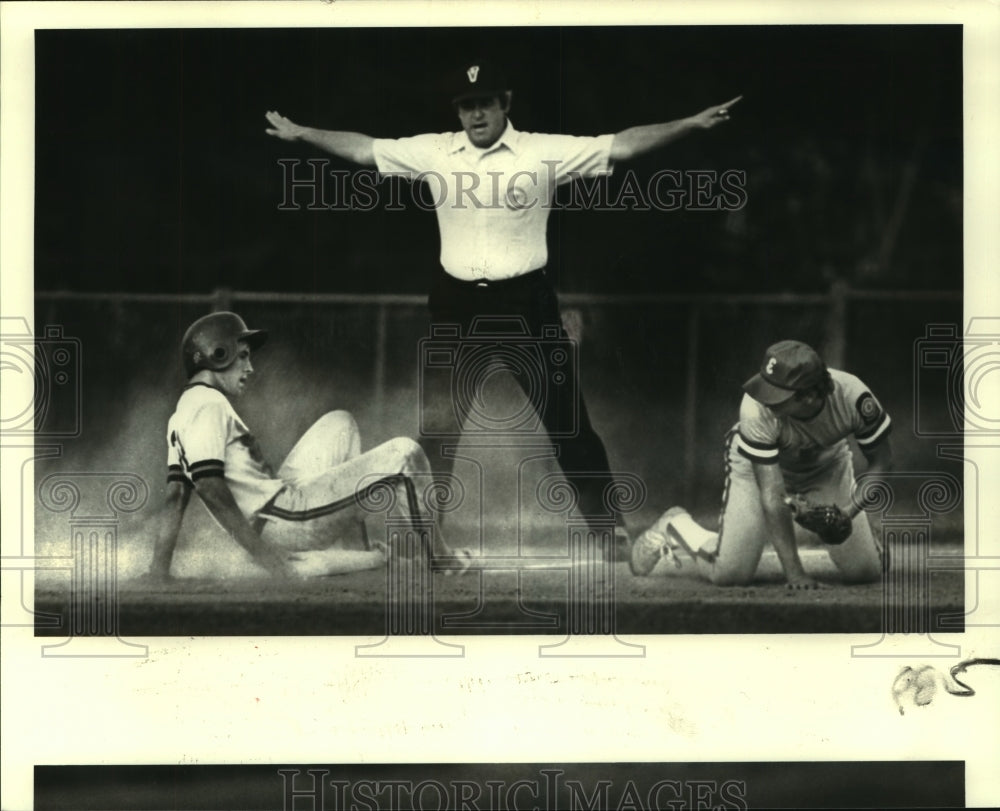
788, 367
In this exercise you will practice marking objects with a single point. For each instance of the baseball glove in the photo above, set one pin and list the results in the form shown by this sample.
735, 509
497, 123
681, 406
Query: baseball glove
827, 520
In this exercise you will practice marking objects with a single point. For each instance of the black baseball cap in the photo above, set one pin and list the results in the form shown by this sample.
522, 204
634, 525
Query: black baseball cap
788, 367
477, 78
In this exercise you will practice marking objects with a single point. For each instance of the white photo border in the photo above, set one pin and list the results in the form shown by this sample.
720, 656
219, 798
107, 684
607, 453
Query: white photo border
309, 700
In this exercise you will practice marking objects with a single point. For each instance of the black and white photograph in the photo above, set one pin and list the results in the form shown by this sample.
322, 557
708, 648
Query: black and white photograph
348, 348
504, 363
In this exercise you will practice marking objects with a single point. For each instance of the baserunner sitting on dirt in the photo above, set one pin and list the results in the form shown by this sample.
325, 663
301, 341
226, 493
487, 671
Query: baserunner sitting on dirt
306, 520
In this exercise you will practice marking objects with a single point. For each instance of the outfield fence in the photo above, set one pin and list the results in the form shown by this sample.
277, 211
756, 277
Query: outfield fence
661, 373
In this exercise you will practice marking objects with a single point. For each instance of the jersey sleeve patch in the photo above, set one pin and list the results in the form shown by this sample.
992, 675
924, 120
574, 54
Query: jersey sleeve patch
868, 408
874, 422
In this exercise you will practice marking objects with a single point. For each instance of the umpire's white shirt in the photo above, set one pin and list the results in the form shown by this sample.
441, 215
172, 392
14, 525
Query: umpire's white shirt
493, 204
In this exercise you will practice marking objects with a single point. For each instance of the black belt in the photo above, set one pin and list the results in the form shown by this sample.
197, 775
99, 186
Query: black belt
510, 283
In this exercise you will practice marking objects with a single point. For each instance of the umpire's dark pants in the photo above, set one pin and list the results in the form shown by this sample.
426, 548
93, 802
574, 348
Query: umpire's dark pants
477, 312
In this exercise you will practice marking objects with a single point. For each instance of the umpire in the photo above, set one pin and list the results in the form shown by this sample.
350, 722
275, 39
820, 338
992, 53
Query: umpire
494, 186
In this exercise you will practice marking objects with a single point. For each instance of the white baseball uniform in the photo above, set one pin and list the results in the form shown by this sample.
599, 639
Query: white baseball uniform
314, 502
206, 437
815, 461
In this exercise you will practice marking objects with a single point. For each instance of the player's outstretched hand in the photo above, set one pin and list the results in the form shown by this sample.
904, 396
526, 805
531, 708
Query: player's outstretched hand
282, 127
713, 116
285, 571
802, 582
278, 564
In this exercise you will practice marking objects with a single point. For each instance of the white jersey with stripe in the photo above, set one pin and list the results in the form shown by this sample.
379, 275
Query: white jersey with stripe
804, 447
206, 437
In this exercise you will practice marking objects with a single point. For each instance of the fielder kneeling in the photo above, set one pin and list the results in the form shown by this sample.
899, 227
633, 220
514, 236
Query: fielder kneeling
306, 520
789, 448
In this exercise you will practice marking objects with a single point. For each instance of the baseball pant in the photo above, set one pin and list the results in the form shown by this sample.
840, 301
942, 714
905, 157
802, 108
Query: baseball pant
319, 514
731, 556
553, 390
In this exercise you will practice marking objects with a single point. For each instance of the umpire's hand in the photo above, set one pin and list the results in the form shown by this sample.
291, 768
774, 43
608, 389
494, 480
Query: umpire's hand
283, 128
714, 116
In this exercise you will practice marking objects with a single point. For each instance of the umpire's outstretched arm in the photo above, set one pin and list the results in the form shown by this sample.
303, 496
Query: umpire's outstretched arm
633, 142
636, 141
355, 147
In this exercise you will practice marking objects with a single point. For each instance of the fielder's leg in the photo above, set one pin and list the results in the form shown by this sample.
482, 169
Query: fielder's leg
729, 557
733, 558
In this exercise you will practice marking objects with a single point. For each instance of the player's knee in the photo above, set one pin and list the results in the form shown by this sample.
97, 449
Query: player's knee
858, 561
340, 421
406, 450
725, 573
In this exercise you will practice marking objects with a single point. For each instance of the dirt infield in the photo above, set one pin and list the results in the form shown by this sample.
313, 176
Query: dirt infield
525, 601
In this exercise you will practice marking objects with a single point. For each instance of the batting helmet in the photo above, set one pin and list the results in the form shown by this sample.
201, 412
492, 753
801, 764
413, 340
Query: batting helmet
211, 341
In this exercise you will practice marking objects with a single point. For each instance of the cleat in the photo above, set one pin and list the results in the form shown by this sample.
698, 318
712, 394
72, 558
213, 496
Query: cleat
647, 550
675, 540
654, 544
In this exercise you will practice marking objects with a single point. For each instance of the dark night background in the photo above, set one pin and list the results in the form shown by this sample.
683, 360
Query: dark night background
153, 171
